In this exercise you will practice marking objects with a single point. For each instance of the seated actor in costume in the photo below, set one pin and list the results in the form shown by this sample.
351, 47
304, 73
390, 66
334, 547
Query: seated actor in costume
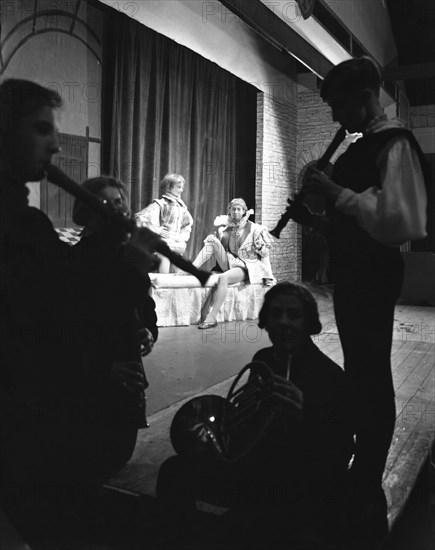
100, 247
63, 425
241, 251
286, 491
168, 217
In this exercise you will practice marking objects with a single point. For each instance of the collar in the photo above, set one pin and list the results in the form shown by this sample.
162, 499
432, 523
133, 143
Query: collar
174, 199
236, 225
374, 122
231, 224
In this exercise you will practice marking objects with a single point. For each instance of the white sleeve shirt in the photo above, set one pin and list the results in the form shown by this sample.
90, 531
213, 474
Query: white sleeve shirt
396, 213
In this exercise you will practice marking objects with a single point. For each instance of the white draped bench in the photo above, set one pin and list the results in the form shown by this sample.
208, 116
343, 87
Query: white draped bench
180, 300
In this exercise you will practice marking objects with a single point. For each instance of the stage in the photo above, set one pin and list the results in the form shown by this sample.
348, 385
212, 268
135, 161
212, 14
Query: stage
187, 361
181, 300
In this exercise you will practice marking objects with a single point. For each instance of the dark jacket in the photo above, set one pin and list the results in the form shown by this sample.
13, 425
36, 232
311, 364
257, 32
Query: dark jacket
59, 323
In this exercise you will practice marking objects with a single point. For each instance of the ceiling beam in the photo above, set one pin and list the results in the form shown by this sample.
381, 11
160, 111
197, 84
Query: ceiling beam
409, 72
273, 29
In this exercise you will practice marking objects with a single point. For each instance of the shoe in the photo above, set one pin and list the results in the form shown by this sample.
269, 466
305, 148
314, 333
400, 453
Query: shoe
205, 325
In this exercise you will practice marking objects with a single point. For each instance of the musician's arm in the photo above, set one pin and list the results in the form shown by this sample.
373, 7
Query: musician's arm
317, 182
301, 214
287, 397
138, 251
396, 212
148, 316
320, 223
148, 331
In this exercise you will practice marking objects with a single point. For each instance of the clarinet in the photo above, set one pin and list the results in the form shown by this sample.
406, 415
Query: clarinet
322, 163
59, 178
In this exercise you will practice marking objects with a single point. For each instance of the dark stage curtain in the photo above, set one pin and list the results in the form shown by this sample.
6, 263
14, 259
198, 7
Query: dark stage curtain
168, 109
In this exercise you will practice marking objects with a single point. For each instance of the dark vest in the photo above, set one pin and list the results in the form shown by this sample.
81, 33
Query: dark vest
353, 252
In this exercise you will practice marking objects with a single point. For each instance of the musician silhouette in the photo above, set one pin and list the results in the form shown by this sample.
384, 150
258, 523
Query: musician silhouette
376, 201
61, 427
100, 246
286, 491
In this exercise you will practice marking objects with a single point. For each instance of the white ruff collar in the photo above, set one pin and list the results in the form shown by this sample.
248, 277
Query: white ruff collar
226, 222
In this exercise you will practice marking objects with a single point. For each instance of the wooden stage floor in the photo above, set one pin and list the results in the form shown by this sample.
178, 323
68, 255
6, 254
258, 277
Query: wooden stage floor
187, 362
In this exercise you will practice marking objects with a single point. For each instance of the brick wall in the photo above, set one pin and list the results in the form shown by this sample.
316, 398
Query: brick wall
291, 133
422, 116
276, 166
315, 128
422, 122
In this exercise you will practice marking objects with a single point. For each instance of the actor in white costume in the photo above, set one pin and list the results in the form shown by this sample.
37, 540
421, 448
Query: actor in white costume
242, 252
168, 217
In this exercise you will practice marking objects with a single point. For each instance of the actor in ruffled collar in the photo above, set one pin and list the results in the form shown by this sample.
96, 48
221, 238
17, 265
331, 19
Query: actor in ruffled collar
225, 221
242, 251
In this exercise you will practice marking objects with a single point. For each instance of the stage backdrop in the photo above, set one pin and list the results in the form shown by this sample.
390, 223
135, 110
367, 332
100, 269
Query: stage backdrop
167, 109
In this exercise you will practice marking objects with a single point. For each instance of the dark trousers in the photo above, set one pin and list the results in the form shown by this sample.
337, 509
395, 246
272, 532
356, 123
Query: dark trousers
269, 508
364, 312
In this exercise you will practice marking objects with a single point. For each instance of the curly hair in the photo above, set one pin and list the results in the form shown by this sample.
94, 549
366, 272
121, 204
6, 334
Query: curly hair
82, 213
286, 288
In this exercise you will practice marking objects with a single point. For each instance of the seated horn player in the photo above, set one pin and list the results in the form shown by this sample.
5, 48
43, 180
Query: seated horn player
286, 493
241, 251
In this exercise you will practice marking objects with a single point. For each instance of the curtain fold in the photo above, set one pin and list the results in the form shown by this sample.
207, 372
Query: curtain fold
167, 109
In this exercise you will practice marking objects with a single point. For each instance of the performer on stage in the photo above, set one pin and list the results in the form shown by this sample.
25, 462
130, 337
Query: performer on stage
242, 252
169, 217
100, 246
287, 490
63, 426
377, 201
